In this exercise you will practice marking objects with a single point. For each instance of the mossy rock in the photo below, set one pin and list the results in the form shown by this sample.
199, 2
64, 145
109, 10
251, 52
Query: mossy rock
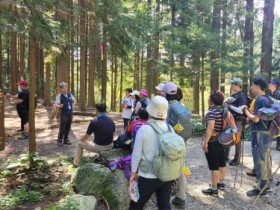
114, 154
97, 179
77, 201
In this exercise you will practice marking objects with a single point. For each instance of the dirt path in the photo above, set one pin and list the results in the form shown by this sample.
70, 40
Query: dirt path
231, 198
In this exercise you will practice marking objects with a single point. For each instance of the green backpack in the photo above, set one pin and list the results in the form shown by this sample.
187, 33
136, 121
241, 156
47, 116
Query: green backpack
167, 164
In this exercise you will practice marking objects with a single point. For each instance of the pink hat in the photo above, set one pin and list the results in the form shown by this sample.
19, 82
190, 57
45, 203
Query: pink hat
22, 82
144, 92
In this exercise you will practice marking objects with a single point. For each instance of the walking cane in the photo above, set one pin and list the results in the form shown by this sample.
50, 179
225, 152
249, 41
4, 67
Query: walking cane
242, 153
264, 188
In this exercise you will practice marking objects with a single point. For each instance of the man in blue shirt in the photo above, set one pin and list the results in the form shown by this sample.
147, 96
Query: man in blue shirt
261, 140
103, 128
66, 102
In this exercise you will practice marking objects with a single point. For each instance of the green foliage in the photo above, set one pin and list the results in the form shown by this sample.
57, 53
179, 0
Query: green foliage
19, 195
198, 128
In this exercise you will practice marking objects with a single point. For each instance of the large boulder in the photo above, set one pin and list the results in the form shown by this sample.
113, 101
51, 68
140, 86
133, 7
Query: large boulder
81, 202
114, 154
97, 179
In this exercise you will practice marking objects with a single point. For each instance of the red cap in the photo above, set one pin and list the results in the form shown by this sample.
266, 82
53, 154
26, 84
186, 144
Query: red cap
22, 82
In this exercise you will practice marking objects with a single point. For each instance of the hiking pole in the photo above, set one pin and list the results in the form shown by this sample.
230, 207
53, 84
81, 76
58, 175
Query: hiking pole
242, 152
263, 189
270, 200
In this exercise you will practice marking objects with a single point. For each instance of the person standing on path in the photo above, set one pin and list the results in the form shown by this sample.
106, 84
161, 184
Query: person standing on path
240, 100
22, 106
127, 105
66, 102
274, 92
261, 139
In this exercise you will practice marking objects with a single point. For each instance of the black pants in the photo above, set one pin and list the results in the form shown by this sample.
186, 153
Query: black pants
125, 123
147, 187
65, 126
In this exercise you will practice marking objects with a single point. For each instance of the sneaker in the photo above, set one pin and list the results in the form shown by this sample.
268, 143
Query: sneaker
210, 191
67, 142
234, 162
24, 137
178, 202
256, 192
98, 160
221, 186
20, 130
59, 142
251, 173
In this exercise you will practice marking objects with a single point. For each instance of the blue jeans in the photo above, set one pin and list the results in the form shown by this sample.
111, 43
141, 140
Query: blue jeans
262, 155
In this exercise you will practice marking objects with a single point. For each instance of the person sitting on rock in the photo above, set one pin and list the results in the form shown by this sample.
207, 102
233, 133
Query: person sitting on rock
103, 128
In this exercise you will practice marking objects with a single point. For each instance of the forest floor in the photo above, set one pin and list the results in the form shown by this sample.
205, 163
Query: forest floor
46, 136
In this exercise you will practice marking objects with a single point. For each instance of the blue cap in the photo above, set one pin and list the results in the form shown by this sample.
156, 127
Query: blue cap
275, 82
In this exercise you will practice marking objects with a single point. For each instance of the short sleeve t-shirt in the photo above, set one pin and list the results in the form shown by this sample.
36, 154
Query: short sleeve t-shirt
241, 100
24, 96
261, 101
214, 113
127, 112
58, 98
103, 128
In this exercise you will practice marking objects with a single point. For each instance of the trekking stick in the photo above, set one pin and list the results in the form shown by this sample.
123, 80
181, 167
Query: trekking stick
270, 200
242, 152
263, 189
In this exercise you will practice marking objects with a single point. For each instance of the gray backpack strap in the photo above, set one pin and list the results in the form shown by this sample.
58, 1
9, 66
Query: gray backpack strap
157, 128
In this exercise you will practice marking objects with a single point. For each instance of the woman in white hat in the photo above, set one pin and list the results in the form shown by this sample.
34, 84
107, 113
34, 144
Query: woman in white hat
145, 148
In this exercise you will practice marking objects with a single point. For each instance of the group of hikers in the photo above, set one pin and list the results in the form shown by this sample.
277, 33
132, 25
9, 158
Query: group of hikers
147, 122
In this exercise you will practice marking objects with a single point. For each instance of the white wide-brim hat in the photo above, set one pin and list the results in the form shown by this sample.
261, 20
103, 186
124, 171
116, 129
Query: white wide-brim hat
158, 107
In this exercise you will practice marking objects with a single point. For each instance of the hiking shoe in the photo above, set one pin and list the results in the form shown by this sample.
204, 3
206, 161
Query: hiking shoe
210, 191
234, 162
59, 142
67, 142
98, 160
24, 137
251, 173
178, 202
226, 159
256, 192
221, 186
20, 130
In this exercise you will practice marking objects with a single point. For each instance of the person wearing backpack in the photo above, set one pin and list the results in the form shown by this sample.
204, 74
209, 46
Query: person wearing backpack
214, 151
179, 117
65, 101
127, 105
274, 92
261, 139
240, 100
156, 172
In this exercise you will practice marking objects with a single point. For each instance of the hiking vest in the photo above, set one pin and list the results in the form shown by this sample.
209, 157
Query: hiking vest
67, 102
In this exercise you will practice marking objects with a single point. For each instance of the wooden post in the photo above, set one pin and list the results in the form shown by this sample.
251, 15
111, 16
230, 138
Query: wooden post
2, 125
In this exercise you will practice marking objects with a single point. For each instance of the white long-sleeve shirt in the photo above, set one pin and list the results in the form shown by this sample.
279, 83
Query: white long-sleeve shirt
146, 146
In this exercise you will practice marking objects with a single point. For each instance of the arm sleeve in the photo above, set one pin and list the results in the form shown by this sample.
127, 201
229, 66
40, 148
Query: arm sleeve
73, 98
137, 151
24, 96
57, 99
211, 116
90, 129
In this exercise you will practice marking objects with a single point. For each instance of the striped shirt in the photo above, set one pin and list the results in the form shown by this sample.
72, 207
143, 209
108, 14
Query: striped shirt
215, 114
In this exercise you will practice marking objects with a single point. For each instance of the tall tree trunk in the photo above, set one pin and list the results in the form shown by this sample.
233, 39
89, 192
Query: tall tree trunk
173, 19
202, 87
248, 45
136, 78
267, 37
196, 73
47, 89
32, 88
224, 44
83, 54
104, 55
156, 50
13, 61
91, 80
121, 86
115, 83
149, 68
21, 55
112, 82
141, 68
1, 63
216, 26
2, 116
